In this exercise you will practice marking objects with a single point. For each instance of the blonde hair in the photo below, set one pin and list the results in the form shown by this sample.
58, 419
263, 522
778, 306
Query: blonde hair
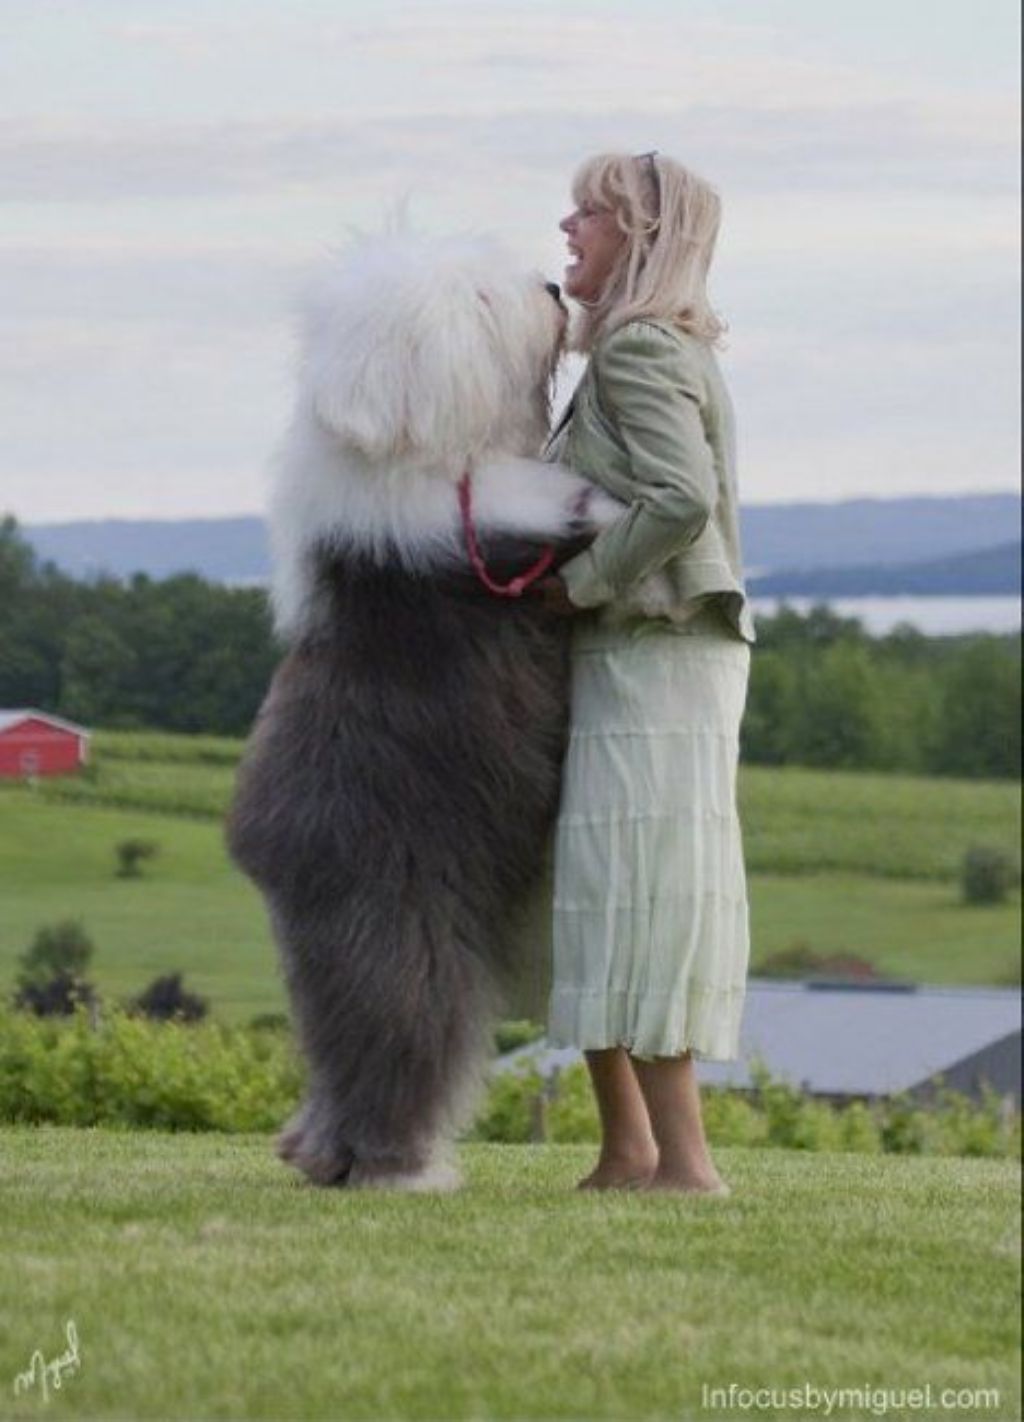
670, 218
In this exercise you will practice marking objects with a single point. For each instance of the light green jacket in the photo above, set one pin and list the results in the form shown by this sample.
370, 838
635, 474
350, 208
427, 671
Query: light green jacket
651, 422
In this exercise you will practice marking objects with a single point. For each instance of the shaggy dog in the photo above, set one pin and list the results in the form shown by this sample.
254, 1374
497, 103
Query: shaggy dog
399, 786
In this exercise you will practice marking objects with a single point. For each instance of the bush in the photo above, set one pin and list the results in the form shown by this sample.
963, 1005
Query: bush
55, 997
986, 875
859, 1129
510, 1035
133, 1072
50, 981
507, 1112
773, 1114
64, 947
166, 998
128, 1071
731, 1119
570, 1111
270, 1022
801, 961
131, 853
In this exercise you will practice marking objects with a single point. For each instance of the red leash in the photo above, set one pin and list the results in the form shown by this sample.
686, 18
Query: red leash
518, 585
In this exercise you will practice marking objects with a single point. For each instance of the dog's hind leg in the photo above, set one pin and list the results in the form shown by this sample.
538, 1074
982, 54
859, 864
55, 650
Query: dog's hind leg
394, 1016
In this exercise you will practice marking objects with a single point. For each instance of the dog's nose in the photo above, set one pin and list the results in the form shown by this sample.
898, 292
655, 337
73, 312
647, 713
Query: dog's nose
553, 290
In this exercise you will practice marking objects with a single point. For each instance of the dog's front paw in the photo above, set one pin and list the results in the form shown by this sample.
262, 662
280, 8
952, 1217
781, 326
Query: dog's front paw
306, 1144
291, 1135
596, 509
322, 1165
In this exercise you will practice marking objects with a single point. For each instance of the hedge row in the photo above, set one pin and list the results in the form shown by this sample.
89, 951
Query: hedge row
127, 1071
520, 1108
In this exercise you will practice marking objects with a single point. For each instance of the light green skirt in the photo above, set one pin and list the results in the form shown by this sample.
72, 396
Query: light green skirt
651, 933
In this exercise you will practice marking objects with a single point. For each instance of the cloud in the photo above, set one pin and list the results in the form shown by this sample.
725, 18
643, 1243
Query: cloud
804, 148
212, 290
115, 418
186, 42
164, 193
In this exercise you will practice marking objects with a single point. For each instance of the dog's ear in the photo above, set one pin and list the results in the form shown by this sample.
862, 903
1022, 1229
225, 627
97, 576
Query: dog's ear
361, 400
407, 361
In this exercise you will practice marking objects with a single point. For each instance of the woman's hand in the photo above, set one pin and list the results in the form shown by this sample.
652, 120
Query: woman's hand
555, 596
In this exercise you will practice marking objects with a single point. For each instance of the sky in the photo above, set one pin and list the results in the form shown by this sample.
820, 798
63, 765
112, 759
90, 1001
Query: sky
170, 171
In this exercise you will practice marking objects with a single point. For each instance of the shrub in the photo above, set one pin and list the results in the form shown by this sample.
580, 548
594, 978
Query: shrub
731, 1119
801, 961
132, 1072
796, 961
773, 1114
131, 853
507, 1112
859, 1129
782, 1107
55, 997
270, 1022
50, 981
166, 998
570, 1111
64, 947
905, 1128
510, 1035
128, 1071
985, 875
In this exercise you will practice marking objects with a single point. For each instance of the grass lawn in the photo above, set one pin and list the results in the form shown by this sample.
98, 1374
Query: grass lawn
205, 1280
795, 820
798, 821
913, 929
193, 913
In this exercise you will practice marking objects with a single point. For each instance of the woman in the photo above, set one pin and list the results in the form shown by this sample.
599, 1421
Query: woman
651, 927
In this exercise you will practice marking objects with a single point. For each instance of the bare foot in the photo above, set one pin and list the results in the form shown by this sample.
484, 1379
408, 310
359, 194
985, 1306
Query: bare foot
621, 1172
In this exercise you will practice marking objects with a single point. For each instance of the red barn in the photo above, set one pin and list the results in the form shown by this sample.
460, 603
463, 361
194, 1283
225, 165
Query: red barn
36, 743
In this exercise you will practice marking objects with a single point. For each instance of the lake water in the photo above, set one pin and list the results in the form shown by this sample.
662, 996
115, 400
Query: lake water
934, 616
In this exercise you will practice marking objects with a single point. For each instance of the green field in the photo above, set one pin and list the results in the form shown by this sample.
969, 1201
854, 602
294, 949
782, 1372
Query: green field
192, 912
840, 863
204, 1281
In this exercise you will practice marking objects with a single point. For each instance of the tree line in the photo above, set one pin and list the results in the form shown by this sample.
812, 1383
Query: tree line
184, 654
823, 692
178, 654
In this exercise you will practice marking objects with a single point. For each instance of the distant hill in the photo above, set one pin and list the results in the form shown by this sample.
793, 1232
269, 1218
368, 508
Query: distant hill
856, 534
985, 572
222, 549
874, 531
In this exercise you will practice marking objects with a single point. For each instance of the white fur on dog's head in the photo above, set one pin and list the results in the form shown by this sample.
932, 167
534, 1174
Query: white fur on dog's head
421, 358
430, 351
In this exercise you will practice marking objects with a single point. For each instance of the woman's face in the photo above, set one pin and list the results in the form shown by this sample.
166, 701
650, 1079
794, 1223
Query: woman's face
594, 239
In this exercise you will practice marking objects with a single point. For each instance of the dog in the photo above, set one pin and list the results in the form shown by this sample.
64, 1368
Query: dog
397, 791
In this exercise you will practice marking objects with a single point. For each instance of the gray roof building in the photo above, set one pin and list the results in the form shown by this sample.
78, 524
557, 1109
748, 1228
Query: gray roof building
843, 1040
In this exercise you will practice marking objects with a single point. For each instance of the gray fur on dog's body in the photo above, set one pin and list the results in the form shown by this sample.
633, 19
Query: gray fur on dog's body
397, 793
394, 806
